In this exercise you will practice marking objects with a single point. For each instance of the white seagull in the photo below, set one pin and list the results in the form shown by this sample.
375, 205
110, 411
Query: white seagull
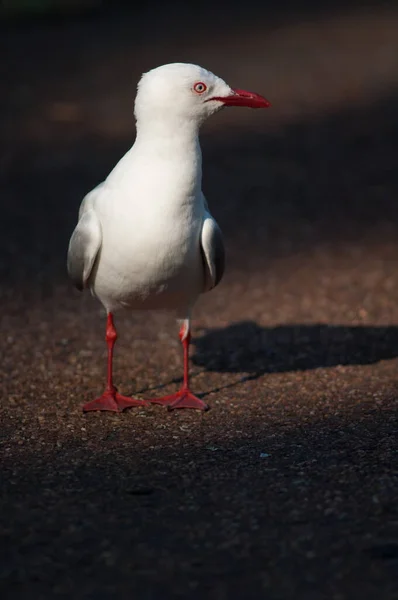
145, 238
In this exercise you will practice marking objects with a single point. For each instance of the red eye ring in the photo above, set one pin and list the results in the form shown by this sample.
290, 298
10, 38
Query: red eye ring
200, 87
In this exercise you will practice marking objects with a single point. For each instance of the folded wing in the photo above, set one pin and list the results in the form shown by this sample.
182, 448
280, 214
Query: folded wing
84, 246
213, 251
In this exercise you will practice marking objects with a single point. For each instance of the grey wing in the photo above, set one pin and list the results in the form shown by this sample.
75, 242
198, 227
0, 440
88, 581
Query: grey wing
84, 246
212, 246
89, 199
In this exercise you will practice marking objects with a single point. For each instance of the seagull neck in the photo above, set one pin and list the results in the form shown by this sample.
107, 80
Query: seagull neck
169, 134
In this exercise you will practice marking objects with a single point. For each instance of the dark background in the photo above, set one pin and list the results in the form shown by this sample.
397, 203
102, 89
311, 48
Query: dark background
287, 487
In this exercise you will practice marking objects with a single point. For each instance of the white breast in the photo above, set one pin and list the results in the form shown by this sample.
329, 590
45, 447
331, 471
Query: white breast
151, 221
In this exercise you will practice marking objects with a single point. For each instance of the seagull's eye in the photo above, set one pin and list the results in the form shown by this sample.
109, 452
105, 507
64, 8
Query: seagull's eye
200, 87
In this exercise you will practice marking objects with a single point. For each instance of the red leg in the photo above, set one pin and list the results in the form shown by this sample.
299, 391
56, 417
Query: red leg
184, 397
111, 399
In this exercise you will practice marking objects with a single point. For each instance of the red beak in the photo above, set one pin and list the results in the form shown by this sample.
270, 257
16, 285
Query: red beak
243, 98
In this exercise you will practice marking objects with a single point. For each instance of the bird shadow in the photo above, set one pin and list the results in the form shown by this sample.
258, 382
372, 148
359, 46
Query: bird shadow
246, 347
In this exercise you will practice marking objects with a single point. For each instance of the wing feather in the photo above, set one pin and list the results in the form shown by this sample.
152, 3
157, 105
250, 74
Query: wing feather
84, 246
213, 251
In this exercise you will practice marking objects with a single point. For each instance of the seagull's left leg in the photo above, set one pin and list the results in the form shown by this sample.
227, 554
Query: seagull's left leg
111, 399
184, 397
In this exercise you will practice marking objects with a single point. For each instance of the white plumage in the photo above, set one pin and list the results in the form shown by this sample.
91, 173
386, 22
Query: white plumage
145, 238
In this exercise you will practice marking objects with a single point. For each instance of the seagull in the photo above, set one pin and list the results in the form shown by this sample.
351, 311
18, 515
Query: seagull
145, 238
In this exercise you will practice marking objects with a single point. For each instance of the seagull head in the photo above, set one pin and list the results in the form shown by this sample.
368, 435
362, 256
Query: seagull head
182, 91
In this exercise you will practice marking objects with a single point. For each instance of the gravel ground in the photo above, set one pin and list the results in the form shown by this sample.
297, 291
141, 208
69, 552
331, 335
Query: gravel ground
287, 488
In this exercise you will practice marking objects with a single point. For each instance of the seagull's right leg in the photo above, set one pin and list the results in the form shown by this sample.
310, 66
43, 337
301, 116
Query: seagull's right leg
184, 398
111, 399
